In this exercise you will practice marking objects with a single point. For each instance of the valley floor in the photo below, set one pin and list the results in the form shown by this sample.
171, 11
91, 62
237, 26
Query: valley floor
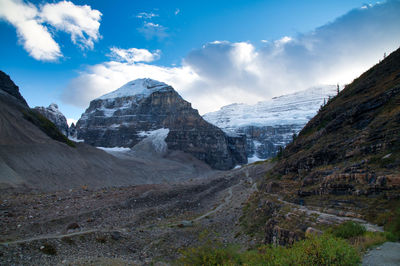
128, 225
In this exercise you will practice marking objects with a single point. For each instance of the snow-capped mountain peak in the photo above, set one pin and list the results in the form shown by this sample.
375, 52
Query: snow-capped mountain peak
140, 87
271, 124
295, 108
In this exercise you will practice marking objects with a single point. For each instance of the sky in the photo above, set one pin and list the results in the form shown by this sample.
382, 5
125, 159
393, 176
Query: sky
213, 53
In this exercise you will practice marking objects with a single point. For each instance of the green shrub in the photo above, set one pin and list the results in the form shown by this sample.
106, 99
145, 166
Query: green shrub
349, 229
392, 225
46, 126
210, 255
316, 250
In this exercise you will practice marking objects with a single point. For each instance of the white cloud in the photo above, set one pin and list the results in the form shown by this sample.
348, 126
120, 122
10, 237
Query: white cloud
221, 72
34, 37
80, 21
152, 30
71, 121
146, 15
133, 55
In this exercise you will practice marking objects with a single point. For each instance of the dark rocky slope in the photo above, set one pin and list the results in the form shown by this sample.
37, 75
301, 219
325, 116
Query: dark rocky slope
122, 118
34, 154
345, 161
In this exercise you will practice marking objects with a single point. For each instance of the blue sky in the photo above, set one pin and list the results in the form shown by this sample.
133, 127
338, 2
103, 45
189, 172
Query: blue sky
213, 52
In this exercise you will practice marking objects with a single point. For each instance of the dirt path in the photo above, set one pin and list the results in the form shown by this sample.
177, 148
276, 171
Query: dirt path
387, 254
332, 218
49, 236
219, 207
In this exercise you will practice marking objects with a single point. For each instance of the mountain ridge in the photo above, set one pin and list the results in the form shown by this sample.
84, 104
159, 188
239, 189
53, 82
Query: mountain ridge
270, 125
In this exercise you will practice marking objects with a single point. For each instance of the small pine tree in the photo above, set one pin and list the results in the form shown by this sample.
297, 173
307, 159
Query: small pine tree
384, 55
337, 88
294, 137
280, 152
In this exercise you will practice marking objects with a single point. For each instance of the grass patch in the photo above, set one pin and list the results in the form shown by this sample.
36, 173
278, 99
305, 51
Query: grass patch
348, 230
368, 240
46, 126
392, 224
315, 250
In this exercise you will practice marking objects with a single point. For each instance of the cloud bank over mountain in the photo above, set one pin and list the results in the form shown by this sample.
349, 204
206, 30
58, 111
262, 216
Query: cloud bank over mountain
223, 72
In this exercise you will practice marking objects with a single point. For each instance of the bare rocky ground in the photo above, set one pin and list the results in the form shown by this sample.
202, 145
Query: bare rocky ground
387, 254
121, 226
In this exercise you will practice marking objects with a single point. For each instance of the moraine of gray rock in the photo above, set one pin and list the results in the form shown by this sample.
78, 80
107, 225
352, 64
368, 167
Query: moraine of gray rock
54, 115
124, 117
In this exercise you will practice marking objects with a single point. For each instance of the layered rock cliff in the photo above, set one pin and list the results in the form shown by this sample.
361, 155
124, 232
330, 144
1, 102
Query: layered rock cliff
54, 115
118, 119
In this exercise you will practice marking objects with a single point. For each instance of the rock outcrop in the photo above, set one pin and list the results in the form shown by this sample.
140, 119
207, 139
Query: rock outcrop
270, 125
54, 115
9, 87
122, 118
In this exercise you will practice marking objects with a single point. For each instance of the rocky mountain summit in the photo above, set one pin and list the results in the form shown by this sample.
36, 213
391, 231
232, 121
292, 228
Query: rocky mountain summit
123, 117
270, 125
54, 115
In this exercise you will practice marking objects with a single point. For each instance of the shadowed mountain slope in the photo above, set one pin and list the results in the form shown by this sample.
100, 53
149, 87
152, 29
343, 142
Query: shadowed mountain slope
35, 154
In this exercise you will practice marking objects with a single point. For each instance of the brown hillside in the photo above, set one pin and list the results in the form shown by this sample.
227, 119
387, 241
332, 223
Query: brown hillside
346, 162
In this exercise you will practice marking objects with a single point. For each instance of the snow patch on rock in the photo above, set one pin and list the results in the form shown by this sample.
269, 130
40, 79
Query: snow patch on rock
254, 159
114, 149
156, 138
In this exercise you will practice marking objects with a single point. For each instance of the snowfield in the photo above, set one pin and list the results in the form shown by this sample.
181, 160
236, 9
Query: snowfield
139, 87
291, 109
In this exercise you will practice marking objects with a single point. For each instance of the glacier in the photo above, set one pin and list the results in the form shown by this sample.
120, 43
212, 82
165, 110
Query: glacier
271, 124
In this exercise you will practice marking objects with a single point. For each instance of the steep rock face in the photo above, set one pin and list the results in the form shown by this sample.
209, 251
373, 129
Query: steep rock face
54, 115
359, 128
9, 87
72, 131
118, 119
271, 124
